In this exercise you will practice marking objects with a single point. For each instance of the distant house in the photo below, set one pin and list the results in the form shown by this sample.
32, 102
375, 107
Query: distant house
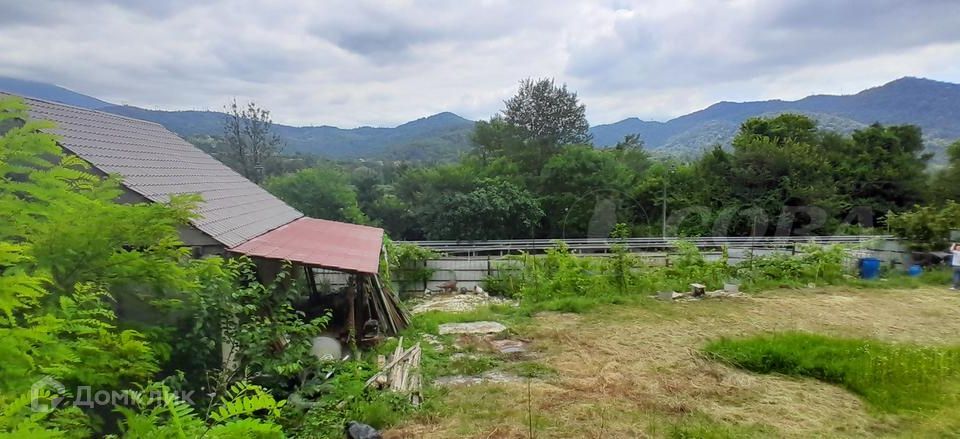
235, 215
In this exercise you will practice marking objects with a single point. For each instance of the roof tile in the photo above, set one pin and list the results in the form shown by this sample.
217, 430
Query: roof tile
155, 163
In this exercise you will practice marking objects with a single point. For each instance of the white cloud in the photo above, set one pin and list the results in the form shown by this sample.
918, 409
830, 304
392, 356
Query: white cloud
352, 63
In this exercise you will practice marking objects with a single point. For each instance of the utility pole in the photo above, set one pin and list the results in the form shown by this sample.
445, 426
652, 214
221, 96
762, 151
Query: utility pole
666, 176
664, 223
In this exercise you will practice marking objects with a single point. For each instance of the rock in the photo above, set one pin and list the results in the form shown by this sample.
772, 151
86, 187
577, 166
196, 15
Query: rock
472, 328
326, 348
697, 290
509, 346
670, 295
723, 293
486, 377
432, 340
356, 430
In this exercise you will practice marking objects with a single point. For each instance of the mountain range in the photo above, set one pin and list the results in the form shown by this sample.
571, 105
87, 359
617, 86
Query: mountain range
932, 105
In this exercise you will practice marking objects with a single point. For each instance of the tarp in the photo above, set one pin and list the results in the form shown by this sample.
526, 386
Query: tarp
320, 243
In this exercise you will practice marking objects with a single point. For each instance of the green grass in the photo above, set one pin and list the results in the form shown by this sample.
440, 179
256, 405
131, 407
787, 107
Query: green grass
530, 369
700, 426
894, 378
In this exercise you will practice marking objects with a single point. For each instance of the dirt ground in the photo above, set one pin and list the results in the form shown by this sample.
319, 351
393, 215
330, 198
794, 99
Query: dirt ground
636, 371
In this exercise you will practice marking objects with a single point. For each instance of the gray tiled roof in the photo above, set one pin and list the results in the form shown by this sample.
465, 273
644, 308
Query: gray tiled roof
156, 163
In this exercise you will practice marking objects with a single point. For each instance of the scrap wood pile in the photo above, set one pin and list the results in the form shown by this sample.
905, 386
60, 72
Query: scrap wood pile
384, 305
400, 373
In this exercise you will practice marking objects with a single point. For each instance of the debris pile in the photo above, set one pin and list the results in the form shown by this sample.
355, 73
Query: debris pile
472, 328
456, 303
699, 292
401, 373
492, 376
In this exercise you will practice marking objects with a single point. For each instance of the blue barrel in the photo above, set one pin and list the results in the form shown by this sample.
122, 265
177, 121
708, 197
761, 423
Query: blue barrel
869, 268
914, 270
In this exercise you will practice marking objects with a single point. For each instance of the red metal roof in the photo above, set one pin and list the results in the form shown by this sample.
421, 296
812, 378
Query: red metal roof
321, 243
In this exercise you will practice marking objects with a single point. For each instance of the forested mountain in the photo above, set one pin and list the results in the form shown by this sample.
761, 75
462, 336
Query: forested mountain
439, 134
932, 105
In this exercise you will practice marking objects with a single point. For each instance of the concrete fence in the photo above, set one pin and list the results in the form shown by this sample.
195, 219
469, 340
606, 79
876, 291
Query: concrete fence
470, 263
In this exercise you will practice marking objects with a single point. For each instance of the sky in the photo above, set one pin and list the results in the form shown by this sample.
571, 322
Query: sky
382, 63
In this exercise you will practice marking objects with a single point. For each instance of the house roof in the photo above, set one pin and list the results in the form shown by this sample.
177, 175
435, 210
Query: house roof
321, 243
156, 163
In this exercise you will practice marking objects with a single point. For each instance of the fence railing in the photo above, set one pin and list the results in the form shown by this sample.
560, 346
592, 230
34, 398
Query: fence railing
601, 245
469, 263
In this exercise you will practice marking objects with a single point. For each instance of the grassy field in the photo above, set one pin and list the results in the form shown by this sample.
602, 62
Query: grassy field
641, 370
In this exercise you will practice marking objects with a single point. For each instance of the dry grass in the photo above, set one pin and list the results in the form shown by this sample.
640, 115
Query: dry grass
634, 371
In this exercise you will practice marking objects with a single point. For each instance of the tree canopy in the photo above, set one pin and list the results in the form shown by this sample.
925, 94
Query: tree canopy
319, 192
548, 112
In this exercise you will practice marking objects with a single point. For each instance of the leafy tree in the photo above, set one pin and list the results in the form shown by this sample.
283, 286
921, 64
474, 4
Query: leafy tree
497, 138
496, 209
630, 152
946, 183
548, 112
249, 139
320, 192
777, 163
70, 255
584, 190
883, 168
781, 129
57, 317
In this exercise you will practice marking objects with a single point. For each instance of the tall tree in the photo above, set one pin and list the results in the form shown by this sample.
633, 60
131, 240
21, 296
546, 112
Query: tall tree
320, 192
584, 192
249, 139
548, 112
883, 168
946, 183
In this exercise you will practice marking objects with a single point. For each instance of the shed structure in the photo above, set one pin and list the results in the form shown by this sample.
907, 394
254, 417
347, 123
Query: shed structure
235, 216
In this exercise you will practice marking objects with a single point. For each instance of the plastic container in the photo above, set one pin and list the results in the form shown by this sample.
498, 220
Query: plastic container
869, 268
914, 270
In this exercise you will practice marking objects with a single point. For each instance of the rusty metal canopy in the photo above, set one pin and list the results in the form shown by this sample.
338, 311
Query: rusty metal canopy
320, 243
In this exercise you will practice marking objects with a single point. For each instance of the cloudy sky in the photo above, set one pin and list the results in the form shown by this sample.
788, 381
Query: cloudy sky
358, 62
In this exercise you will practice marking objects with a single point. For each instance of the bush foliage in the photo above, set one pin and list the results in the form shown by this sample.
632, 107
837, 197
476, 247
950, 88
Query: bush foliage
563, 275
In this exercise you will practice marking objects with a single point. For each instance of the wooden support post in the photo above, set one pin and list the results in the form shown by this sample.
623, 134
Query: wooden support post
311, 281
352, 319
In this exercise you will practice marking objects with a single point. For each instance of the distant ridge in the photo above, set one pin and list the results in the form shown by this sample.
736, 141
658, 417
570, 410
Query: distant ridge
932, 105
49, 92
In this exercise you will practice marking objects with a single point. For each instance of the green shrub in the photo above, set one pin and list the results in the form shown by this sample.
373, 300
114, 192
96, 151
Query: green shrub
926, 227
406, 264
564, 281
816, 264
342, 398
891, 377
244, 411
